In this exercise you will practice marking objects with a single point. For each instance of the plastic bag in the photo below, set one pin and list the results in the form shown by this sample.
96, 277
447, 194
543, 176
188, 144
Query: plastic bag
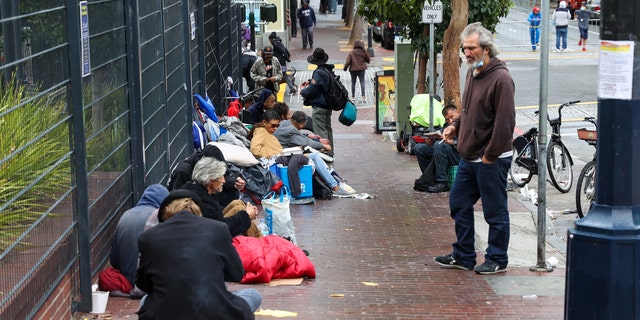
277, 206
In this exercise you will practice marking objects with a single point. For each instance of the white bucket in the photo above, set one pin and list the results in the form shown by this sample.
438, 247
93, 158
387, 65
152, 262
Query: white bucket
99, 301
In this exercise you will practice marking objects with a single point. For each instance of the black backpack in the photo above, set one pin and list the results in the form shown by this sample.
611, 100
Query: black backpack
321, 190
337, 95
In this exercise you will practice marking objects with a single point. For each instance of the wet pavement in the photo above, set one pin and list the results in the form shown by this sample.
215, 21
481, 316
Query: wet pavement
374, 257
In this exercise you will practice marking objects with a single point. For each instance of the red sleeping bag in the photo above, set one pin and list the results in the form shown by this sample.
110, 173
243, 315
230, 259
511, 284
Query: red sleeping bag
272, 257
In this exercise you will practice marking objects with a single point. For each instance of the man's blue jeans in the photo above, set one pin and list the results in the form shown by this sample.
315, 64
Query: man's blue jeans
444, 155
561, 33
476, 180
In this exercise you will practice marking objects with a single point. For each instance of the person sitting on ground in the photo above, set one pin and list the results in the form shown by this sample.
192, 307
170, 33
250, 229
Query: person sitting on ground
266, 100
263, 143
184, 263
289, 135
124, 247
238, 105
183, 171
207, 180
445, 154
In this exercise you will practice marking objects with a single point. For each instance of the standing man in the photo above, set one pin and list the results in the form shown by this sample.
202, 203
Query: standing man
534, 27
267, 72
313, 92
282, 54
560, 19
307, 18
484, 130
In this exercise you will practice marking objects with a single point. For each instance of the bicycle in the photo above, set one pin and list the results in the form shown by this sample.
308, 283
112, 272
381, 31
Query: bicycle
586, 185
525, 156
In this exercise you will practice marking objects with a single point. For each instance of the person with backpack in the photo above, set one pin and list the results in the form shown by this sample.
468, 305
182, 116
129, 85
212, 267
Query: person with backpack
282, 54
313, 91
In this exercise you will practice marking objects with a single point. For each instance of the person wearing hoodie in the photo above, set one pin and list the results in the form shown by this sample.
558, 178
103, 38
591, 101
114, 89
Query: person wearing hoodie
266, 101
313, 91
307, 18
484, 131
357, 60
124, 247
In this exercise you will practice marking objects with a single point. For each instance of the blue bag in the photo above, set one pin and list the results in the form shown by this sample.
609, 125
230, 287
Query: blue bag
349, 114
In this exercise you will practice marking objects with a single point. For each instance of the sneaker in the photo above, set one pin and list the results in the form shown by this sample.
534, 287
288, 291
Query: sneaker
564, 50
489, 268
556, 50
449, 262
341, 193
347, 188
584, 49
580, 42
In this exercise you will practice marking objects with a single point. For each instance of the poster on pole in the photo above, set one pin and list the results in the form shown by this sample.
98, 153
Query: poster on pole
84, 39
616, 70
385, 101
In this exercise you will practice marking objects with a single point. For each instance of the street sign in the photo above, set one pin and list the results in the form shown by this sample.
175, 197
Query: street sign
432, 13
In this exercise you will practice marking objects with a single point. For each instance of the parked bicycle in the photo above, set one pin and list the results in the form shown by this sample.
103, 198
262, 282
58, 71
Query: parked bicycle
586, 185
525, 156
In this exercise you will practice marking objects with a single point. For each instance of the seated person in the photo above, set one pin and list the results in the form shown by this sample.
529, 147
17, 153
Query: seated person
263, 143
265, 101
238, 105
183, 171
124, 248
207, 180
184, 263
289, 135
444, 155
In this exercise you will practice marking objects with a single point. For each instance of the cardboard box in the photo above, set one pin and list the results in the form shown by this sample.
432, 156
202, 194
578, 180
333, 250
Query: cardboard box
306, 182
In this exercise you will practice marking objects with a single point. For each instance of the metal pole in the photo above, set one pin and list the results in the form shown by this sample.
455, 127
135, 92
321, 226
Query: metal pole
541, 264
370, 51
252, 25
431, 75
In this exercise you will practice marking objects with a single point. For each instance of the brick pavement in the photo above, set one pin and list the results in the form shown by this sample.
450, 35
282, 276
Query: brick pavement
389, 240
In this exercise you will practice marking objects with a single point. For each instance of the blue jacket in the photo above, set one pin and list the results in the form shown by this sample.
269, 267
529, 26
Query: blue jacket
313, 94
307, 17
534, 19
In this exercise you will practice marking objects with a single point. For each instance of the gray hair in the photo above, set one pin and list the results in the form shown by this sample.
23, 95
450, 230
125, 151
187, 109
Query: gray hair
208, 169
299, 117
485, 37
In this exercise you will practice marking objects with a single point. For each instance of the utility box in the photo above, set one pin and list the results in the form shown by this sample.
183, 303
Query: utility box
404, 84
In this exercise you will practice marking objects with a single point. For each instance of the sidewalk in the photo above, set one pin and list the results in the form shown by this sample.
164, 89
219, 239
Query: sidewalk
374, 258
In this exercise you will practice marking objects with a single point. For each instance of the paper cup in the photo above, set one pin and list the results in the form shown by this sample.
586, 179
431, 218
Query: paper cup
99, 301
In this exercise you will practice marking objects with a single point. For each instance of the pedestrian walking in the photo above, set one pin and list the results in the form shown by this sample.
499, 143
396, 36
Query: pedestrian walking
282, 54
582, 16
357, 60
307, 18
560, 19
534, 27
484, 131
313, 92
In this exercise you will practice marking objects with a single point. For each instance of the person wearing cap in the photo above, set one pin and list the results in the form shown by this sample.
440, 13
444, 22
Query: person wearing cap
534, 27
208, 180
282, 54
266, 71
560, 19
307, 18
184, 263
313, 91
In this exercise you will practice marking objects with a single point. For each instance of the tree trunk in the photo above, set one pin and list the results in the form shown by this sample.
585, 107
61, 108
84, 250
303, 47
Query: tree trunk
349, 6
356, 31
451, 52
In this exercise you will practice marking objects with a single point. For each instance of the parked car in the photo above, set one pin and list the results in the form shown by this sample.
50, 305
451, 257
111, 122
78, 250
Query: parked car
594, 7
377, 30
389, 34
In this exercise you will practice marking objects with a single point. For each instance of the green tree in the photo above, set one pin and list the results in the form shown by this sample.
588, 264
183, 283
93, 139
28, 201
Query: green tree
403, 12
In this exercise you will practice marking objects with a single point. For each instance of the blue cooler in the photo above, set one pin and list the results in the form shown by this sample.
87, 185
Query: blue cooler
306, 182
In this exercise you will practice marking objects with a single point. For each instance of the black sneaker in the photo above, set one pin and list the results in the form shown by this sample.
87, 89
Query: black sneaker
489, 268
449, 262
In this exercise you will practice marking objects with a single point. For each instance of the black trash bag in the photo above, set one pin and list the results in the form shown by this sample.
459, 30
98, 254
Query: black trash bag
428, 178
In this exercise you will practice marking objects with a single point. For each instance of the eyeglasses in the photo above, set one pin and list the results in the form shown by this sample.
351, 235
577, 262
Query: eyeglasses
274, 125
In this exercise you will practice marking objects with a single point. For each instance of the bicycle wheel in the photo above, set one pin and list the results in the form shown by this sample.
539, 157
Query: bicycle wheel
559, 166
520, 171
586, 189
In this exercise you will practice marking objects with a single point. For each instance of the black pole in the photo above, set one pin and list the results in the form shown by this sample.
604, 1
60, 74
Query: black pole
252, 25
370, 42
603, 250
